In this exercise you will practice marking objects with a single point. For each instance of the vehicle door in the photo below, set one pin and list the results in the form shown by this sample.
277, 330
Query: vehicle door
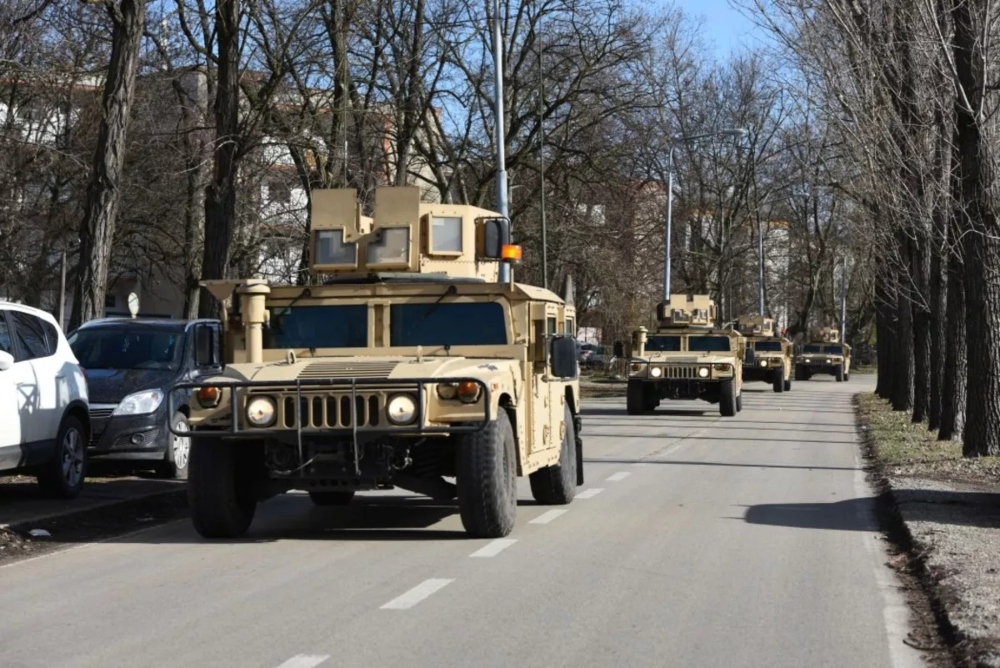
18, 401
51, 393
546, 418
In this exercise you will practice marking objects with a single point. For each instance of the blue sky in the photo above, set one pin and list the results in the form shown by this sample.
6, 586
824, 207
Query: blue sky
723, 24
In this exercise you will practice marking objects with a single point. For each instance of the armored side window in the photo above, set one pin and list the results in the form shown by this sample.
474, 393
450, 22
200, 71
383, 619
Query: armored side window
330, 249
446, 234
392, 246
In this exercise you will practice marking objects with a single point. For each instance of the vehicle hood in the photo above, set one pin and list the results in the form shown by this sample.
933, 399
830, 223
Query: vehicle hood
110, 386
346, 368
770, 355
820, 357
685, 358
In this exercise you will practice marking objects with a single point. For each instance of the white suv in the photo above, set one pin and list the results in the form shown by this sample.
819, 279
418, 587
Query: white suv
44, 411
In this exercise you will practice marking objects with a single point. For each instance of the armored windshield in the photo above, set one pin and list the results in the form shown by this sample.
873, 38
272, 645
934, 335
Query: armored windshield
708, 344
768, 346
447, 324
318, 327
813, 349
663, 344
835, 350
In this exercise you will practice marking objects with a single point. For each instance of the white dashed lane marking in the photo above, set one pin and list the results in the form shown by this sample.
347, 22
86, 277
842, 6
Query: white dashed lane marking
305, 661
621, 475
494, 548
548, 516
588, 493
417, 594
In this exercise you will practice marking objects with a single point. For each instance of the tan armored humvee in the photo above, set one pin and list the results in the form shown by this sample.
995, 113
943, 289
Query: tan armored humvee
773, 353
824, 353
410, 364
687, 357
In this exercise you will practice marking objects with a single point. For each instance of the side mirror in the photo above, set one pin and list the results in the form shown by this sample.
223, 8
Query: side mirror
493, 234
205, 348
748, 355
619, 349
6, 360
563, 357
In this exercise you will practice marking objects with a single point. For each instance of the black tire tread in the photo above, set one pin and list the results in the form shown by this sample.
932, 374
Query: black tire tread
50, 478
220, 507
487, 503
556, 485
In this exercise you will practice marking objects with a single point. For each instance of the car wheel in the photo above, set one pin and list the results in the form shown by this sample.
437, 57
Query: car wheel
556, 484
739, 402
178, 455
63, 476
788, 385
220, 489
635, 398
487, 480
779, 381
727, 398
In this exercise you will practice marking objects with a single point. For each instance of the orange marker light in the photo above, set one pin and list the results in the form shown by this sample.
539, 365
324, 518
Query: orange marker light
511, 253
468, 391
209, 396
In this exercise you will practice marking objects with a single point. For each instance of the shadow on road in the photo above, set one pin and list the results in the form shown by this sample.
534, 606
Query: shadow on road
679, 462
727, 439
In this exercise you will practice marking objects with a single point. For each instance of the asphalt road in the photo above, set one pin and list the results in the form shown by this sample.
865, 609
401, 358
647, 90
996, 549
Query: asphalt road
697, 541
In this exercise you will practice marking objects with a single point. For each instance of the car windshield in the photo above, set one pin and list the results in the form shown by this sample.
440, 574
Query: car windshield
814, 349
343, 326
128, 348
835, 350
768, 346
707, 344
663, 344
447, 324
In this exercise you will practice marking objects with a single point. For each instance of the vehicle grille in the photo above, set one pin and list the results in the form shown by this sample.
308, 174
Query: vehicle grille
683, 372
101, 413
318, 370
332, 411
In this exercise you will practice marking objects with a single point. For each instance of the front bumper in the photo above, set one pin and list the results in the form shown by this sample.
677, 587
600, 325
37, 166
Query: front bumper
130, 436
753, 372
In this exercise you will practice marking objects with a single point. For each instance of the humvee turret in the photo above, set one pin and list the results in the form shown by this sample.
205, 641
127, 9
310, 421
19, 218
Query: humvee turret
409, 364
686, 357
824, 353
773, 353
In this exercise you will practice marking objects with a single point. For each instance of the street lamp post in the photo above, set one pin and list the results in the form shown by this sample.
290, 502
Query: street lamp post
501, 178
667, 232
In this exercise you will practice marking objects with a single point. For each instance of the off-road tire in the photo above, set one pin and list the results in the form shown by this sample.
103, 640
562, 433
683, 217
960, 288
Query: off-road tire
487, 480
63, 476
840, 374
220, 493
779, 381
739, 402
847, 377
556, 485
635, 398
727, 398
800, 373
175, 464
331, 498
788, 385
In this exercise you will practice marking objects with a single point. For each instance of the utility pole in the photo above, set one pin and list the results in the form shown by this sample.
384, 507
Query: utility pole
843, 300
62, 290
501, 178
541, 162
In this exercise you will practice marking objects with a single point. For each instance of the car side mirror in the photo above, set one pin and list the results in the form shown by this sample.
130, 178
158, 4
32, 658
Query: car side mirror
748, 355
619, 349
562, 357
6, 360
205, 350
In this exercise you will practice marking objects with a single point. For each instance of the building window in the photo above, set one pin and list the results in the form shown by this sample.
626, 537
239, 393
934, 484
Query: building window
278, 192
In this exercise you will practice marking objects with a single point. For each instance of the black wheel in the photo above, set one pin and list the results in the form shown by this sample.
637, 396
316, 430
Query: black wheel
178, 455
487, 470
800, 373
727, 398
779, 381
62, 477
220, 490
847, 377
739, 402
556, 485
788, 385
635, 398
840, 373
331, 498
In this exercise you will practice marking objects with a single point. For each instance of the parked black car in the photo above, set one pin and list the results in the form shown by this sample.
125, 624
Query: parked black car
130, 364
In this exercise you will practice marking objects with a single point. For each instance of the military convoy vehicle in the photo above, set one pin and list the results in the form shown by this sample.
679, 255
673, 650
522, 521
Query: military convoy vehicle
408, 365
824, 353
686, 357
773, 354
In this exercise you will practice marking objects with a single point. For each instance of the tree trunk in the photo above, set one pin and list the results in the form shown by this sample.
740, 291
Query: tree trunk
981, 232
97, 229
938, 291
902, 357
920, 267
220, 195
954, 377
884, 334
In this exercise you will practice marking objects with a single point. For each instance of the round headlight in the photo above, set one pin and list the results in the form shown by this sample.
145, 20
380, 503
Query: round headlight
447, 390
656, 372
763, 362
401, 409
261, 411
703, 372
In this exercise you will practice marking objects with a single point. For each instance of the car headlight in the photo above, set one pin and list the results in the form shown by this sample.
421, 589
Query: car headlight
703, 372
401, 409
763, 362
829, 361
261, 411
656, 372
140, 403
447, 391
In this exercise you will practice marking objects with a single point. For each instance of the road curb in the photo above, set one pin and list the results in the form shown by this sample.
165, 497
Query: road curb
99, 511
